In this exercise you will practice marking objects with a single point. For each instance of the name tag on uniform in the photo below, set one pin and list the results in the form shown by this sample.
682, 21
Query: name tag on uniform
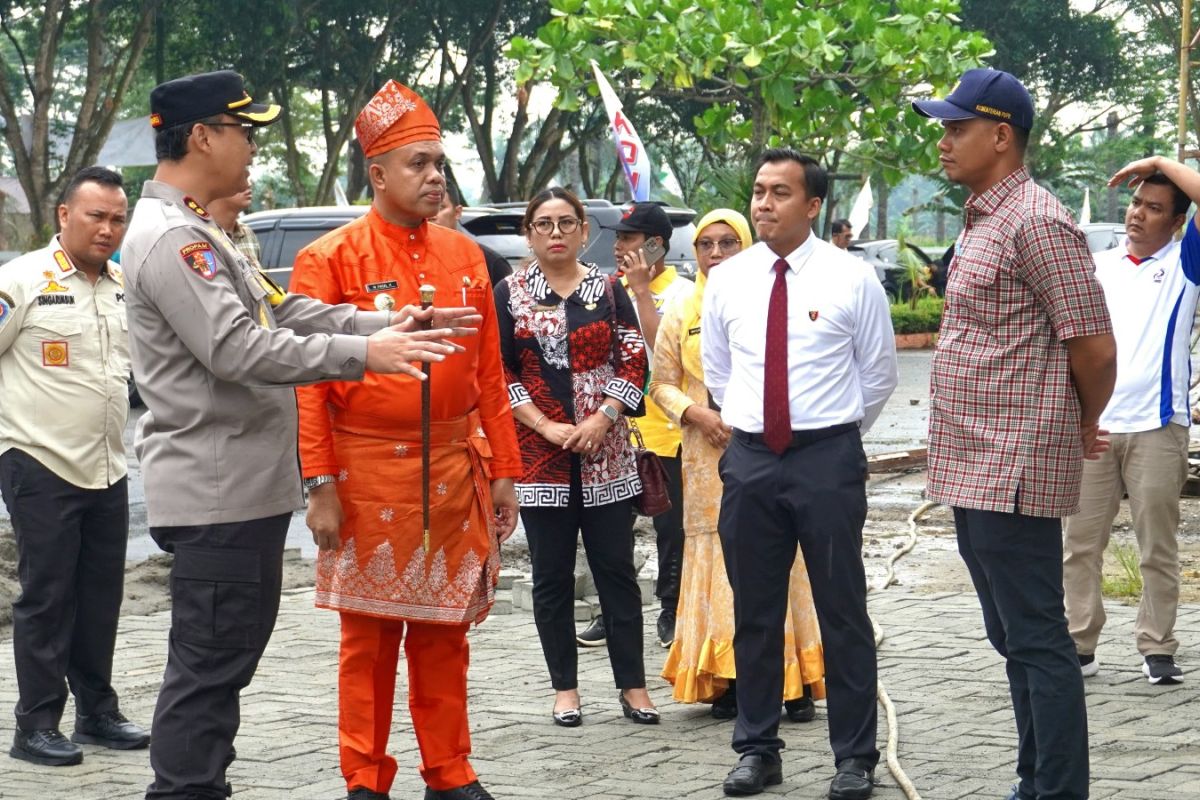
694, 331
382, 287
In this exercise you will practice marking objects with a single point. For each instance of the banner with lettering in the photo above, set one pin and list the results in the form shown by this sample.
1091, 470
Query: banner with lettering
630, 150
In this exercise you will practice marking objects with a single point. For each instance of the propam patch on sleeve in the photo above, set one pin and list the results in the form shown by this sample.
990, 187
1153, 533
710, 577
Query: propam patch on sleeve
199, 256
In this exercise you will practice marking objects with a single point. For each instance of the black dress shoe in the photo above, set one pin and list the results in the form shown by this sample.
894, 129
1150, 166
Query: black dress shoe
362, 793
665, 627
853, 781
751, 775
800, 710
110, 729
46, 747
725, 706
472, 791
642, 716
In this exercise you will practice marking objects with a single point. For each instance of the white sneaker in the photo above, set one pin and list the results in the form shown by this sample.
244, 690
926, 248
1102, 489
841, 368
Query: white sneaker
1161, 670
1089, 665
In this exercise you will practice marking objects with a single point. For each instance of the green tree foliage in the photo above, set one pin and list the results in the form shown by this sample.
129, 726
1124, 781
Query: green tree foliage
66, 67
825, 76
1065, 57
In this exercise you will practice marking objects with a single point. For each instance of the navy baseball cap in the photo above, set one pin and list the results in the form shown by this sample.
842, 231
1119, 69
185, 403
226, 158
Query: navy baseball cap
196, 97
647, 218
986, 93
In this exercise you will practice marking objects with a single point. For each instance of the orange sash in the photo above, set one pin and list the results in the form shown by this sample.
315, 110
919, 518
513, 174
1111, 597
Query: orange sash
382, 567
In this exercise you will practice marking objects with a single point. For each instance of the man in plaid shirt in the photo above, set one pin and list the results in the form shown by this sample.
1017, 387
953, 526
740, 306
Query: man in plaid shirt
225, 212
1025, 363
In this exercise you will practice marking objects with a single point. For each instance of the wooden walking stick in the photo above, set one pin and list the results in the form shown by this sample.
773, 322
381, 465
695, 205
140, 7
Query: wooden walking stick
427, 293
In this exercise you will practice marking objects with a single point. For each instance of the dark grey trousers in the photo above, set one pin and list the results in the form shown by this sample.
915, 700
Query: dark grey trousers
225, 586
1016, 564
71, 566
813, 494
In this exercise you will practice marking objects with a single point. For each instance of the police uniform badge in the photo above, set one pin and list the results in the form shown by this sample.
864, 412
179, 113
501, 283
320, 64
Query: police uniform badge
196, 208
56, 354
199, 256
813, 314
384, 302
63, 262
6, 308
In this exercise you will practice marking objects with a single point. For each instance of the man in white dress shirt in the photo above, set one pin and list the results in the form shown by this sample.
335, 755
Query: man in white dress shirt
1151, 284
797, 384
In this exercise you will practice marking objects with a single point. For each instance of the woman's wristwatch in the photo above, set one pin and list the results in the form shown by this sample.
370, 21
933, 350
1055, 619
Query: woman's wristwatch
609, 412
318, 480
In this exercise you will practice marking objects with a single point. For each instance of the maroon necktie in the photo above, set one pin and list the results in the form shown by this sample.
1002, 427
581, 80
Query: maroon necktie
777, 412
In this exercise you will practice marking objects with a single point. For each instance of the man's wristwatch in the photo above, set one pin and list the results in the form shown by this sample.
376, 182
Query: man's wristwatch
609, 412
318, 480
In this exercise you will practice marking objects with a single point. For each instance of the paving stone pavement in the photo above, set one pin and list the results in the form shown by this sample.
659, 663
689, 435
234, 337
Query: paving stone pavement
957, 736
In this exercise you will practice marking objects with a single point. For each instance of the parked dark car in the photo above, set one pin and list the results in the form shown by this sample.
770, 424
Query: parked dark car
500, 230
884, 256
284, 232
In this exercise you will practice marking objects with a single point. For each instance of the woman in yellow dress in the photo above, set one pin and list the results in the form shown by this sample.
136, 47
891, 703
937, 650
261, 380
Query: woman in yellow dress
700, 663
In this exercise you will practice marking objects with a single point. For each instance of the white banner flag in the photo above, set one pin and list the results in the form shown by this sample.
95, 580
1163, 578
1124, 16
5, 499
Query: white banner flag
860, 214
630, 151
1085, 213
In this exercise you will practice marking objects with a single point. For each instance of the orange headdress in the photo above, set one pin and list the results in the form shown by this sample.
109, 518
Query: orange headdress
394, 117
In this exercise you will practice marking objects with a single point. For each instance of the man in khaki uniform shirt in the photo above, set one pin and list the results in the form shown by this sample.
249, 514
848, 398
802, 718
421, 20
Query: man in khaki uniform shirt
64, 360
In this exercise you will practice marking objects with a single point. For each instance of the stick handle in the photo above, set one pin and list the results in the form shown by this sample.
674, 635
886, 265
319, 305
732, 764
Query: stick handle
427, 293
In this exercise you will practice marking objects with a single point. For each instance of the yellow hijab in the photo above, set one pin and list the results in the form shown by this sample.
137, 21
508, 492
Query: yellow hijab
689, 334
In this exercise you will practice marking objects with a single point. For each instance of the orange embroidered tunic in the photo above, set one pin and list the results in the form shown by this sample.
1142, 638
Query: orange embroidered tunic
368, 433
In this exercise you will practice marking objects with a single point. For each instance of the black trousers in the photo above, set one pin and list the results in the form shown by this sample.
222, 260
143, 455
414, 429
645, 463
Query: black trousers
668, 529
1015, 562
608, 542
813, 494
225, 585
71, 566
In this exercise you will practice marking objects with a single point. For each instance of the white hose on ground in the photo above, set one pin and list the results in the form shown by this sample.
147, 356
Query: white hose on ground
893, 727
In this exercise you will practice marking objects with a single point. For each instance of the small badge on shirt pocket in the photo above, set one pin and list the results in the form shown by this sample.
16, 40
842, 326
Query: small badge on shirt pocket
813, 314
56, 354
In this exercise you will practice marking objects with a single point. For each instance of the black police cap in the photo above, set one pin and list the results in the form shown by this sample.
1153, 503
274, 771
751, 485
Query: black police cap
209, 94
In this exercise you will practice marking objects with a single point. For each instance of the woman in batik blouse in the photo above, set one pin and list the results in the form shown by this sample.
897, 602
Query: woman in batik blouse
576, 364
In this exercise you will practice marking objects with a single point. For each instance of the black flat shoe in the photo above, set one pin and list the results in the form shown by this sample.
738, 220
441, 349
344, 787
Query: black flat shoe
751, 775
570, 718
642, 716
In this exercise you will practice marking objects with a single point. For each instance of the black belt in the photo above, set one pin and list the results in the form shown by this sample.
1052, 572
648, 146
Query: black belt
801, 438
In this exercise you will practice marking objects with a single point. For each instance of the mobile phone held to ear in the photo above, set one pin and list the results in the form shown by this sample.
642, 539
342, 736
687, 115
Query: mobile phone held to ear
653, 249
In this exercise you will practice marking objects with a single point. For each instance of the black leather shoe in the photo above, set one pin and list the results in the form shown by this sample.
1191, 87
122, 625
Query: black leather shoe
751, 775
800, 710
110, 729
725, 706
665, 627
642, 716
852, 782
1015, 794
472, 791
362, 793
46, 747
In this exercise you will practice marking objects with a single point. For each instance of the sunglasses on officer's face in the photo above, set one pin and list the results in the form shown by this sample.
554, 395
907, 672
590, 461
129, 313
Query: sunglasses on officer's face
246, 127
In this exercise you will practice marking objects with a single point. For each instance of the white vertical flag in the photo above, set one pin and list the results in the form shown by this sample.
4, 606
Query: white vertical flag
630, 151
668, 181
860, 214
1085, 213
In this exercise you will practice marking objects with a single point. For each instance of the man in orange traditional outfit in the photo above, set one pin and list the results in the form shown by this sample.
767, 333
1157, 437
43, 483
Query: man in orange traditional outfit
360, 451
